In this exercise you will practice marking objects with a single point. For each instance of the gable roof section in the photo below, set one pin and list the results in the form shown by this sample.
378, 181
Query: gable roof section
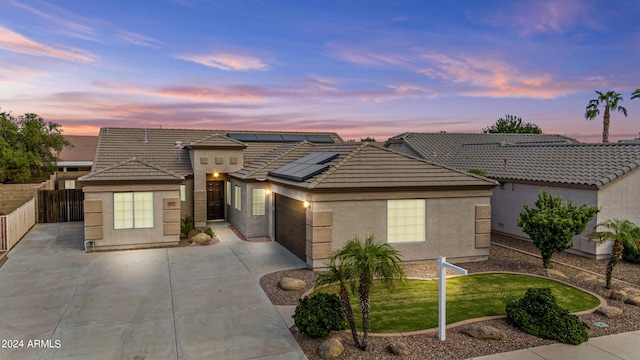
365, 166
441, 147
217, 141
83, 149
133, 169
167, 148
586, 165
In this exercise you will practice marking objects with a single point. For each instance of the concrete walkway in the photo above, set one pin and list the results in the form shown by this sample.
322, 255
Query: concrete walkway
612, 347
205, 302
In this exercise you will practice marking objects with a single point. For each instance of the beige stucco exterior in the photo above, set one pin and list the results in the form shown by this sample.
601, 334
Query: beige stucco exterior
457, 222
98, 224
206, 163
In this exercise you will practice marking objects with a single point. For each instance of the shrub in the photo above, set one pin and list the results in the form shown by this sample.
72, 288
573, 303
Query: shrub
629, 254
209, 231
186, 225
538, 314
318, 314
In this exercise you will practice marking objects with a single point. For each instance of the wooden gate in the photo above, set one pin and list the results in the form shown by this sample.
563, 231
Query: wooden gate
60, 205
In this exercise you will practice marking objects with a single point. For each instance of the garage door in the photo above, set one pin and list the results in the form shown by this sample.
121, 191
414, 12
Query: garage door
291, 218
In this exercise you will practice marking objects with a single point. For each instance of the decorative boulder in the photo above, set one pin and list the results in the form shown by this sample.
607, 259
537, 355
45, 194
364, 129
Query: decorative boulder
633, 301
611, 312
201, 239
330, 348
292, 284
398, 348
618, 295
193, 233
484, 332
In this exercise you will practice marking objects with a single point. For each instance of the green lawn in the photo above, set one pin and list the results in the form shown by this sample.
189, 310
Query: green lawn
415, 306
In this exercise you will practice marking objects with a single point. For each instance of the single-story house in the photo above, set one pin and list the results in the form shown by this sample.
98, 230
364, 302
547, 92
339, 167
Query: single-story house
604, 175
75, 160
311, 192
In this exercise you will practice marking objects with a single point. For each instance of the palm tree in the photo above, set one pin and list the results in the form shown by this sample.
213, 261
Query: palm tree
341, 275
622, 233
610, 100
635, 94
366, 261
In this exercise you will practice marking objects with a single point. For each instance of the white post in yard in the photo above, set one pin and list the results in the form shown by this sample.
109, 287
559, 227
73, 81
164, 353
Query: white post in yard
442, 293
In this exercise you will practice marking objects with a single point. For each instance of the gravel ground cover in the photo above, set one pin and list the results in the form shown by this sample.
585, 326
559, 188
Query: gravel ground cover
585, 273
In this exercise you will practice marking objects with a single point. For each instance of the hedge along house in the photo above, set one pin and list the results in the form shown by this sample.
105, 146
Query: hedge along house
144, 181
604, 175
312, 198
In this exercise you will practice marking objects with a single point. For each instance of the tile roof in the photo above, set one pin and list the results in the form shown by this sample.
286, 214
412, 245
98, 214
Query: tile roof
84, 148
167, 147
217, 141
589, 165
132, 169
364, 166
441, 146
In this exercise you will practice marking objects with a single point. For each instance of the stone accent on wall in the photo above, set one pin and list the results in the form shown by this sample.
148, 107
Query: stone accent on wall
171, 216
219, 160
483, 226
204, 160
319, 235
233, 160
93, 220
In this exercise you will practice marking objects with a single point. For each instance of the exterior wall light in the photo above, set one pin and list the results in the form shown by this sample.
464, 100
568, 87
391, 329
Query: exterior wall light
216, 174
307, 204
267, 192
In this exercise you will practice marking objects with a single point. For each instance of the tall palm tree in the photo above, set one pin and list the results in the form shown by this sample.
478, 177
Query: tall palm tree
366, 261
622, 233
610, 100
635, 94
338, 273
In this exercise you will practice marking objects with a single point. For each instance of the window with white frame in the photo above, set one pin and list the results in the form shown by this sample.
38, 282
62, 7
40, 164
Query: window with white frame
132, 210
238, 198
183, 192
228, 192
259, 197
69, 184
406, 220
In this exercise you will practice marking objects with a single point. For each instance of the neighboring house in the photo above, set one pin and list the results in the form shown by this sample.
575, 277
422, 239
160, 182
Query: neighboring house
75, 160
309, 191
605, 175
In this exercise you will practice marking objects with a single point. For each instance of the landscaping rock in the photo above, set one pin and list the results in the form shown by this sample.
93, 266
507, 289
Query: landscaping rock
201, 238
556, 274
398, 348
292, 284
484, 332
330, 348
632, 291
611, 312
618, 295
633, 301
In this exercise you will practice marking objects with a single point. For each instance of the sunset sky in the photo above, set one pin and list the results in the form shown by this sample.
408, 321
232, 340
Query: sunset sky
359, 68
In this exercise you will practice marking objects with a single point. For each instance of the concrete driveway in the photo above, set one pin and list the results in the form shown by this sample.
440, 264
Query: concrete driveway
56, 302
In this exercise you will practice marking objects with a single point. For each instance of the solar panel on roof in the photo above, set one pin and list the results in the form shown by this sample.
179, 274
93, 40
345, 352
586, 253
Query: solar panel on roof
304, 168
293, 138
269, 137
242, 136
319, 138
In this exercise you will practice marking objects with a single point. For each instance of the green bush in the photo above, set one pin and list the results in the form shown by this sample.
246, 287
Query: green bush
318, 314
538, 314
186, 225
209, 231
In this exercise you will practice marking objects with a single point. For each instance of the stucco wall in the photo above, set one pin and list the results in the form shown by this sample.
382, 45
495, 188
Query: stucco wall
450, 225
234, 216
621, 199
99, 224
508, 200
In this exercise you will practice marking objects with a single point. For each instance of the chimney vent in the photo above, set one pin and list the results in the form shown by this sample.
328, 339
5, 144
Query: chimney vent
145, 136
505, 165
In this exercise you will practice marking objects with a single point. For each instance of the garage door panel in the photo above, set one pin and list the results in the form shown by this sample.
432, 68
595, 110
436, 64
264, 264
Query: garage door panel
290, 218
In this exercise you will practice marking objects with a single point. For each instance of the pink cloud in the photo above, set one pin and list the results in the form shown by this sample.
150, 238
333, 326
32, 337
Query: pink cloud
494, 78
15, 42
536, 17
227, 62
